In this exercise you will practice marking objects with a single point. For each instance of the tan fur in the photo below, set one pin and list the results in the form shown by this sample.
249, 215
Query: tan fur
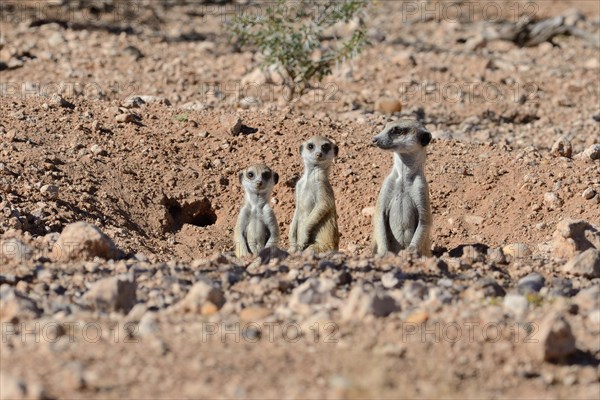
402, 218
256, 226
314, 224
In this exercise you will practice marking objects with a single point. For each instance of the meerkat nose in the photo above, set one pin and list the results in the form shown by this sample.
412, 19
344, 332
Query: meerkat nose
375, 141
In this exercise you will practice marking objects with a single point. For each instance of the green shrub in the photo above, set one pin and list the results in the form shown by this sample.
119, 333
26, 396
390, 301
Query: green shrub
293, 40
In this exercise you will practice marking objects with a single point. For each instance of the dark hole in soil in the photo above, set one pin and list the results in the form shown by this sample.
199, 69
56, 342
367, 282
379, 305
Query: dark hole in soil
198, 213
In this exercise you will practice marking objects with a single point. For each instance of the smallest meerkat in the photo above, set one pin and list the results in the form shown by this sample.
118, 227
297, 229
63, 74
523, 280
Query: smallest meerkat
256, 226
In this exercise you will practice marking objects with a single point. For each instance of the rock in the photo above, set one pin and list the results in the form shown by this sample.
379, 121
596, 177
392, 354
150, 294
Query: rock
148, 324
368, 211
253, 314
272, 254
315, 291
133, 102
516, 304
574, 236
552, 200
203, 298
588, 193
417, 317
362, 302
484, 287
15, 249
231, 124
517, 250
15, 306
50, 191
555, 340
155, 100
83, 241
97, 150
56, 100
11, 387
388, 105
562, 148
585, 264
473, 219
592, 153
56, 39
391, 279
562, 287
117, 293
588, 298
531, 283
125, 118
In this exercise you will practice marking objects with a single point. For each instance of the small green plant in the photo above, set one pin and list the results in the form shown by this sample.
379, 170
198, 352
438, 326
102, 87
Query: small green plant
292, 36
181, 117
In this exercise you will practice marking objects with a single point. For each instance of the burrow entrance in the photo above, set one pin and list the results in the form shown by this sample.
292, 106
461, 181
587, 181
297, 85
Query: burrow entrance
199, 213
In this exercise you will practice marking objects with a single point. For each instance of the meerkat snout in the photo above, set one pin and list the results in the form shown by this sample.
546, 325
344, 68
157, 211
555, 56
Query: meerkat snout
403, 136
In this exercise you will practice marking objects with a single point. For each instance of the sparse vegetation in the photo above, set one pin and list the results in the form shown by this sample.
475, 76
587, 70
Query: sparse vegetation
294, 38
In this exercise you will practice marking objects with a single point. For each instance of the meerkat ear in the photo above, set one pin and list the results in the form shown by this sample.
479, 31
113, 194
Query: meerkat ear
241, 176
275, 178
424, 137
336, 150
301, 148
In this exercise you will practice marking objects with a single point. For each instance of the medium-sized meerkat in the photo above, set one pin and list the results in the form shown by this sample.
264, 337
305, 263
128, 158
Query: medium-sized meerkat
314, 223
256, 226
402, 218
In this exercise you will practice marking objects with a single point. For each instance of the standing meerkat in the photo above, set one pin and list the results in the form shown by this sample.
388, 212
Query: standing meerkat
402, 218
256, 226
315, 218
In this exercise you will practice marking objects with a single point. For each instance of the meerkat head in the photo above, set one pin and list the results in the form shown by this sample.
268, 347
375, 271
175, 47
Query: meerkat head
258, 179
318, 151
404, 136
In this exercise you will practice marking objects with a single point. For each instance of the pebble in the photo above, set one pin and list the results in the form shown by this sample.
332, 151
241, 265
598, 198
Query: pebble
81, 240
588, 193
125, 118
586, 264
516, 304
574, 236
232, 124
517, 250
117, 293
531, 283
555, 340
562, 148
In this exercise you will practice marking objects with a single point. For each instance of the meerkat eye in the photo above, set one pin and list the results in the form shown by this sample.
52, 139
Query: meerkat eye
397, 131
326, 147
266, 175
311, 146
250, 175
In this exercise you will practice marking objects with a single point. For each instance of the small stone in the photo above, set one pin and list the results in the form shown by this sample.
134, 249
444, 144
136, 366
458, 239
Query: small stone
16, 306
81, 240
50, 191
270, 254
199, 295
133, 102
362, 302
368, 211
474, 219
56, 39
232, 124
555, 340
56, 100
253, 314
592, 153
552, 200
585, 264
517, 250
484, 287
516, 304
315, 291
391, 279
15, 249
117, 293
417, 317
531, 283
155, 100
574, 236
125, 118
562, 148
588, 193
97, 150
388, 105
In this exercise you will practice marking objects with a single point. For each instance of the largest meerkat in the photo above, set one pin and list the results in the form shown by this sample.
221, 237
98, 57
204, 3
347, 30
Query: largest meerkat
314, 223
402, 218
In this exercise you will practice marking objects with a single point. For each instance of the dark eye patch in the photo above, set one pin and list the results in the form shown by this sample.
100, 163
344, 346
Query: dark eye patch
266, 175
397, 131
326, 147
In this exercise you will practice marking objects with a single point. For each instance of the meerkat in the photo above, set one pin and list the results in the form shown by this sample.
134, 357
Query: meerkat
314, 224
402, 218
256, 226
